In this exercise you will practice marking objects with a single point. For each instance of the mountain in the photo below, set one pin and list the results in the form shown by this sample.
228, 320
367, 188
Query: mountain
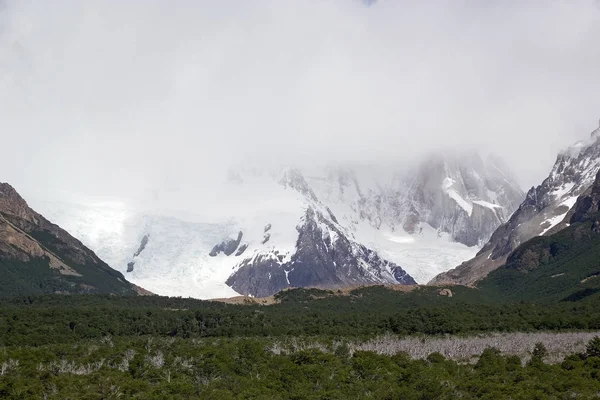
262, 230
560, 267
325, 256
461, 195
545, 210
39, 257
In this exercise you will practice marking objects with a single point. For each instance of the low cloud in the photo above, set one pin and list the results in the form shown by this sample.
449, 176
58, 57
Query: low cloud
107, 97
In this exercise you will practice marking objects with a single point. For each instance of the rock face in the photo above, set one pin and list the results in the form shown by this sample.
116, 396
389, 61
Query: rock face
545, 210
559, 267
329, 226
325, 257
588, 204
461, 195
227, 246
143, 244
37, 256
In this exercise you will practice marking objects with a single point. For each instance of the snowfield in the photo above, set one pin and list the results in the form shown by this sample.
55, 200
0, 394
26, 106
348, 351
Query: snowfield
184, 225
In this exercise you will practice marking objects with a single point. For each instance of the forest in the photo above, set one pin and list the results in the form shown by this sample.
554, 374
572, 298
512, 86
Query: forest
528, 331
225, 368
364, 312
371, 342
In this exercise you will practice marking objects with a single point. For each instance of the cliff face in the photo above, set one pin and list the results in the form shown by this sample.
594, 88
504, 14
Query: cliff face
37, 256
325, 257
546, 209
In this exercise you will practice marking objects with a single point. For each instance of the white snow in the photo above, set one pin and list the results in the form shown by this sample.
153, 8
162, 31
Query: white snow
569, 203
423, 255
185, 224
487, 204
464, 204
563, 190
553, 222
176, 260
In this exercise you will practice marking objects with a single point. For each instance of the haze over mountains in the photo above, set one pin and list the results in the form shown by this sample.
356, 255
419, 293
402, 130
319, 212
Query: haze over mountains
101, 88
303, 228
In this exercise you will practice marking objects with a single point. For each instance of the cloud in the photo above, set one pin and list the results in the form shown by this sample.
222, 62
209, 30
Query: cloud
105, 96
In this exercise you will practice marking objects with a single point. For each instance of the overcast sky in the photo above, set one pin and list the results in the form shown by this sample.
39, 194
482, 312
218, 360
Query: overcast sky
106, 96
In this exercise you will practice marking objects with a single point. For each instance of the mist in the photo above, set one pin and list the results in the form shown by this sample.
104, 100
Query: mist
111, 97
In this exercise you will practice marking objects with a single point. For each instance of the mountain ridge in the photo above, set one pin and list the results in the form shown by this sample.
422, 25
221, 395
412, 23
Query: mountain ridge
37, 256
389, 226
545, 210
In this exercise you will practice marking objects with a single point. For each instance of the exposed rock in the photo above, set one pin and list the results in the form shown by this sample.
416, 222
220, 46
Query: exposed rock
588, 204
142, 292
260, 276
445, 292
241, 250
325, 257
267, 228
227, 246
294, 179
546, 209
266, 238
143, 244
462, 195
28, 241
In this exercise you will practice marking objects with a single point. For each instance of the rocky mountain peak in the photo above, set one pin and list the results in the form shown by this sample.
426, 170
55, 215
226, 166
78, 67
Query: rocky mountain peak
596, 133
294, 179
545, 210
325, 257
335, 225
11, 203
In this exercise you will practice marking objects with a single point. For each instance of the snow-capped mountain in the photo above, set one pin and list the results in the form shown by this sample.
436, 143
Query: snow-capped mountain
545, 210
267, 230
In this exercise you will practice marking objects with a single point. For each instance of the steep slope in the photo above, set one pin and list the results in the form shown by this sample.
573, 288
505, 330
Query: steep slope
475, 196
258, 231
458, 194
544, 211
37, 256
428, 218
561, 267
259, 221
325, 257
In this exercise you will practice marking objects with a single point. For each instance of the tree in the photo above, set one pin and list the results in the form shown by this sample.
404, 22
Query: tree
539, 351
593, 347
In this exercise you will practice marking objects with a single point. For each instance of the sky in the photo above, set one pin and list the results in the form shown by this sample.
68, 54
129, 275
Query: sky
102, 96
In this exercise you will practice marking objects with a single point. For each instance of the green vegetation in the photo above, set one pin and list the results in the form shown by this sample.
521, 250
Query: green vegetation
114, 346
363, 313
24, 273
151, 368
35, 277
564, 267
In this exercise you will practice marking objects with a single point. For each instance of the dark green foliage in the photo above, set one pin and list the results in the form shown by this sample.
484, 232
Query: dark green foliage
562, 267
364, 313
36, 276
539, 352
154, 368
593, 347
